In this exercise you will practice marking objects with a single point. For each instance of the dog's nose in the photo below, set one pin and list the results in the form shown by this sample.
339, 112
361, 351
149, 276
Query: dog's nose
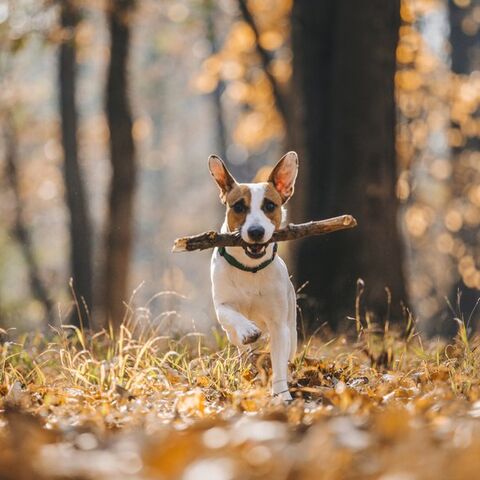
256, 233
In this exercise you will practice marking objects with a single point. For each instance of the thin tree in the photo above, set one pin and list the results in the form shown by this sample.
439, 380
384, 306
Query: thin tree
20, 230
216, 95
265, 59
344, 128
119, 234
464, 41
80, 223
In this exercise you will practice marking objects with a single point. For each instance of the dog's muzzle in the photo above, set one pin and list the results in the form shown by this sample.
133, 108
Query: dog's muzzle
255, 250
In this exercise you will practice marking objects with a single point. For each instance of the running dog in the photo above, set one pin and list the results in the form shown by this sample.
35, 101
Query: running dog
251, 287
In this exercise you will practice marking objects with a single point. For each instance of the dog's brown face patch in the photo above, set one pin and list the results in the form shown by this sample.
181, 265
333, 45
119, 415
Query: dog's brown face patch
272, 205
238, 202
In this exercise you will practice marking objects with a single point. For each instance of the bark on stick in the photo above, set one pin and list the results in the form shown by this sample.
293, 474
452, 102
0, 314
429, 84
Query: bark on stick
292, 231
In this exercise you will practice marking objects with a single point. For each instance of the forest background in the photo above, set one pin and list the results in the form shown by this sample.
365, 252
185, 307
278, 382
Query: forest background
110, 110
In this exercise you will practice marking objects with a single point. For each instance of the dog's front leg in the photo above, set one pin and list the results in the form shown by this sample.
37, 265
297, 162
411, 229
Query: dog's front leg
280, 351
240, 330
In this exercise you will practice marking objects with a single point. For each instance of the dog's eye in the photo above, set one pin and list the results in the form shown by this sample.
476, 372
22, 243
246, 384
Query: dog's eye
239, 207
269, 206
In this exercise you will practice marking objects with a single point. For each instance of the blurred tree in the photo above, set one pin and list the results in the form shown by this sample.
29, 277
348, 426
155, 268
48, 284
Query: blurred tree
254, 65
20, 229
119, 233
80, 224
464, 36
465, 59
216, 94
266, 59
344, 128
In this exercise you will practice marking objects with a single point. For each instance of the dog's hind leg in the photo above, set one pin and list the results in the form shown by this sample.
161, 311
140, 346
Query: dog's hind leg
240, 330
279, 351
292, 323
293, 341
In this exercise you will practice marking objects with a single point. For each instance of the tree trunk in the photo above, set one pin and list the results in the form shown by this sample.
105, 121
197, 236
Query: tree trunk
80, 224
20, 230
343, 83
216, 95
465, 50
119, 234
465, 46
265, 59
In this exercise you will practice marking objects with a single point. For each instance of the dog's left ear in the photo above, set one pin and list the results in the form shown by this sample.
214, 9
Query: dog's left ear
284, 174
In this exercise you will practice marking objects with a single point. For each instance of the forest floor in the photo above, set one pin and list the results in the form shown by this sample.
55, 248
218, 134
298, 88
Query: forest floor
382, 406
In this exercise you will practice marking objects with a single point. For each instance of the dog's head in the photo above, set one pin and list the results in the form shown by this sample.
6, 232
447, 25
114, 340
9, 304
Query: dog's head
255, 209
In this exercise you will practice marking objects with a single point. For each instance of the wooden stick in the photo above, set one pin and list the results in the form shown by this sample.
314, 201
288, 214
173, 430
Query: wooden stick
290, 232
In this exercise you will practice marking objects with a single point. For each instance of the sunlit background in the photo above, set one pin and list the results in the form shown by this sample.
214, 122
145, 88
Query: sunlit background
197, 87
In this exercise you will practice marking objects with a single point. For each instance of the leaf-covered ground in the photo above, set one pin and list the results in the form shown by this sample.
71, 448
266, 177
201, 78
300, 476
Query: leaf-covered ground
382, 406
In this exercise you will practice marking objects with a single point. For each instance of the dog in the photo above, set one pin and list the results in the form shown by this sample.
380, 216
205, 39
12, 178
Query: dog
251, 288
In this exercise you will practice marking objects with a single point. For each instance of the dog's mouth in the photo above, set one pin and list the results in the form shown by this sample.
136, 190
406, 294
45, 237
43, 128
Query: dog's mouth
255, 250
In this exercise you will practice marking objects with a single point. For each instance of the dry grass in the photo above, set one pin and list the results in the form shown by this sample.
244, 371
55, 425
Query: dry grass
141, 406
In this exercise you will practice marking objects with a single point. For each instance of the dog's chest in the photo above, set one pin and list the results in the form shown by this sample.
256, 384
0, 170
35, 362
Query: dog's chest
244, 284
247, 289
252, 289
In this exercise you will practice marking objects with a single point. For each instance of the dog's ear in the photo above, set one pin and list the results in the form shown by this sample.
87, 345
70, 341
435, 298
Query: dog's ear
223, 178
284, 174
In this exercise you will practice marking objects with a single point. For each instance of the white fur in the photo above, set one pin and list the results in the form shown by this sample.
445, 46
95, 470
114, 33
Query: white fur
256, 216
249, 303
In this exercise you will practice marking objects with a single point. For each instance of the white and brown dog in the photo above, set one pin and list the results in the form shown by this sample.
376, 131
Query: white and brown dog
251, 287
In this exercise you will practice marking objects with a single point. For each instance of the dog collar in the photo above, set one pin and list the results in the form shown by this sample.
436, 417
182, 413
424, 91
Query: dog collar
235, 263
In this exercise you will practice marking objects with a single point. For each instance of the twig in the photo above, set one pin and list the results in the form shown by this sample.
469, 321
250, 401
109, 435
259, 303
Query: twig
213, 239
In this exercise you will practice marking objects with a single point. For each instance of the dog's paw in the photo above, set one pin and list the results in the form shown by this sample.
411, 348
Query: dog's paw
241, 335
285, 396
251, 336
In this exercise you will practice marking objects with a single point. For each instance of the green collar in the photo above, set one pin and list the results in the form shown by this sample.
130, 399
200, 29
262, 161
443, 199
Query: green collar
235, 263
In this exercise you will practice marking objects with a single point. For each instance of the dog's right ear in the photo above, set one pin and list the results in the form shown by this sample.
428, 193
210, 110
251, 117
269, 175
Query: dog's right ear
223, 178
